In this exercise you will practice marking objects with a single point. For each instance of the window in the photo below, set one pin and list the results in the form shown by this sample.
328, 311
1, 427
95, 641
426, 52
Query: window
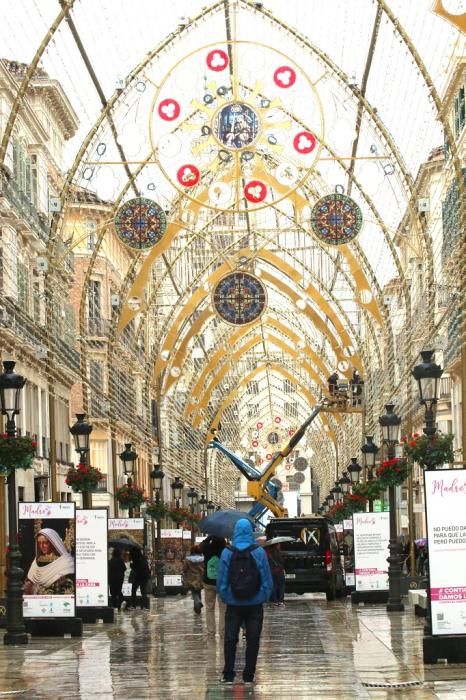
21, 494
460, 113
91, 230
253, 387
288, 387
291, 410
94, 299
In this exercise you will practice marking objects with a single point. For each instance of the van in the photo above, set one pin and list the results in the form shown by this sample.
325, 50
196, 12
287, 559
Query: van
312, 557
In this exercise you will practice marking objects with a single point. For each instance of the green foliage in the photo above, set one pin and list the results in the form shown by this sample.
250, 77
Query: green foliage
429, 452
129, 496
83, 478
16, 453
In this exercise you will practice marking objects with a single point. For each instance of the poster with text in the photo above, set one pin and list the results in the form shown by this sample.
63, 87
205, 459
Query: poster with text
173, 549
445, 492
91, 558
371, 534
348, 551
47, 544
126, 529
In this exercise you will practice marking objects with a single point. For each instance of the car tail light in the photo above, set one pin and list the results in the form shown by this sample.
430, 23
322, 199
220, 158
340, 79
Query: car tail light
328, 560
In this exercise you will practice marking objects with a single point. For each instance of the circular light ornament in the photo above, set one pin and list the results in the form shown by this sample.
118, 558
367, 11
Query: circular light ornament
301, 303
236, 126
300, 464
140, 223
336, 219
239, 298
175, 371
165, 354
299, 478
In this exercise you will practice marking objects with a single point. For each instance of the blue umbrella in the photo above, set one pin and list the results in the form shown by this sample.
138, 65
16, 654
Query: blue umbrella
222, 522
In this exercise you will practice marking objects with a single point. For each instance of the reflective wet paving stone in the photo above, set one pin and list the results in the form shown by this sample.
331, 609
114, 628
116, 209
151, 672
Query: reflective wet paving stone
310, 649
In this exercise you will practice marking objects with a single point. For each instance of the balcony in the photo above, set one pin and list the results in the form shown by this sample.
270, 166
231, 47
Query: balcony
24, 209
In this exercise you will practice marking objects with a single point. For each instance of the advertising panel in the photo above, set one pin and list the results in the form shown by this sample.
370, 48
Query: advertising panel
371, 533
91, 558
348, 551
47, 544
445, 492
173, 548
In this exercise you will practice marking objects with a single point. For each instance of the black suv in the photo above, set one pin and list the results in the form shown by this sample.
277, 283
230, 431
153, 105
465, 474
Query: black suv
312, 558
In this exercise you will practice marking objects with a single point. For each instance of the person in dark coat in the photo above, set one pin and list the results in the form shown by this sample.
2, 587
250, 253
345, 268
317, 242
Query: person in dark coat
277, 568
116, 576
140, 575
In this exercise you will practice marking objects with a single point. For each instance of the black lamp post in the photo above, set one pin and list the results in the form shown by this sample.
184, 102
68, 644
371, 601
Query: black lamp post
157, 477
337, 492
369, 451
390, 424
81, 431
330, 500
427, 375
192, 500
210, 508
202, 504
177, 488
10, 389
345, 483
129, 458
354, 470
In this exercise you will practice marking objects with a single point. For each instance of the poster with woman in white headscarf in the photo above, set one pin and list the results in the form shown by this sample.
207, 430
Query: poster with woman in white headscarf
47, 544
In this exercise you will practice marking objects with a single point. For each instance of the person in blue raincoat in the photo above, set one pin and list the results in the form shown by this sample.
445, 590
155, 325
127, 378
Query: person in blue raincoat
249, 611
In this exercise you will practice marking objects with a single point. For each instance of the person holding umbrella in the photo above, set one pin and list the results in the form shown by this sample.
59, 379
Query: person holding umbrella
244, 583
277, 568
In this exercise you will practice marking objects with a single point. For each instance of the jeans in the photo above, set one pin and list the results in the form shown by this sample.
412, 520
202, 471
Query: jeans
145, 599
278, 590
211, 596
252, 616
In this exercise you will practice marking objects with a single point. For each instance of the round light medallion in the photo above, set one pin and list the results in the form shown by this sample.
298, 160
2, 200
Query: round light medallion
140, 223
336, 219
236, 126
239, 298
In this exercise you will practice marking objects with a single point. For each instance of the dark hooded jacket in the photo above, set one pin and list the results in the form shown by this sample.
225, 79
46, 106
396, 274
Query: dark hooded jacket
242, 539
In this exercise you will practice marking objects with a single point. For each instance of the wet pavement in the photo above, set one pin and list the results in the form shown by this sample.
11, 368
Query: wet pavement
310, 649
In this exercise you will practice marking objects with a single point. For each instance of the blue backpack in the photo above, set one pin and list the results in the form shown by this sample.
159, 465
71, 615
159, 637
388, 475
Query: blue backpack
243, 576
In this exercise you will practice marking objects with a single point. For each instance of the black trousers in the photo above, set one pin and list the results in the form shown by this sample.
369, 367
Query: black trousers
252, 616
116, 595
142, 585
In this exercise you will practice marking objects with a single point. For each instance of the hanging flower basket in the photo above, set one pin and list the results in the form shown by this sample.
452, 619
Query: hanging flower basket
83, 478
371, 490
429, 452
129, 496
16, 453
337, 513
184, 517
393, 472
354, 503
157, 510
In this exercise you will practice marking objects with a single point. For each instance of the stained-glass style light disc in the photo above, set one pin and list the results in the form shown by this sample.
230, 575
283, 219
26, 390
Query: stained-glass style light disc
140, 223
300, 464
236, 125
239, 298
336, 219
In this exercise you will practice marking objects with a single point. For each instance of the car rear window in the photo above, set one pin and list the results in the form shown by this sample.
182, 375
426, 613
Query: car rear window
307, 536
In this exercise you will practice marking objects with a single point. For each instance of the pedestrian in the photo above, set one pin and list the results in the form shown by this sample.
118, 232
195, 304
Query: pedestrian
332, 382
277, 568
244, 582
139, 578
193, 572
116, 576
212, 548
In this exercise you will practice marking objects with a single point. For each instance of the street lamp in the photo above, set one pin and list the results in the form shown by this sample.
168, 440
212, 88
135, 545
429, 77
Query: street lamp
129, 459
330, 499
202, 504
177, 488
345, 483
337, 493
427, 375
354, 470
81, 431
157, 477
210, 508
390, 424
10, 389
192, 500
369, 451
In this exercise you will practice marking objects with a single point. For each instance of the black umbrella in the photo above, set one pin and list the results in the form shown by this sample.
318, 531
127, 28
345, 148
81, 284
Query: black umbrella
124, 543
222, 522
